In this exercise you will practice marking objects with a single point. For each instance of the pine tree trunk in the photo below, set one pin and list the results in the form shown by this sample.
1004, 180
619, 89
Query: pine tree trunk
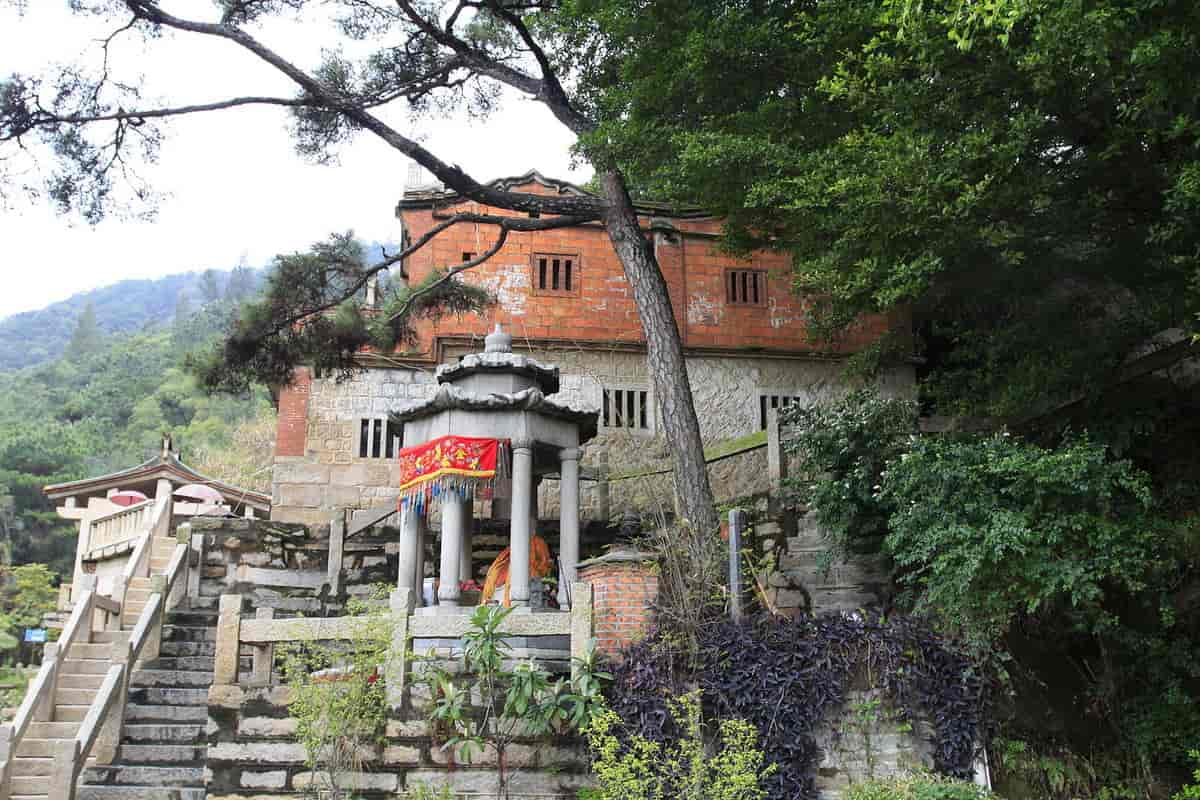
664, 354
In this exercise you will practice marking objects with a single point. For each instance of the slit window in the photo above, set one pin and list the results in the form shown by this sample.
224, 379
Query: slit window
379, 437
556, 273
746, 287
467, 256
768, 401
626, 408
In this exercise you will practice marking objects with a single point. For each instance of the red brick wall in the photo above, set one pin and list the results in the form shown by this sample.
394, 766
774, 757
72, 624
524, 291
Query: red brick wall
291, 435
623, 593
604, 310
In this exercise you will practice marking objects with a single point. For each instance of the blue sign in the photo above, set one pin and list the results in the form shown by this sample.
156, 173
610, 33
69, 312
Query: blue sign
35, 635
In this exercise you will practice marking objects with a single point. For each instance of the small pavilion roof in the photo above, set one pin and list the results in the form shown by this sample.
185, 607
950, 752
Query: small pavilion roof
533, 399
145, 475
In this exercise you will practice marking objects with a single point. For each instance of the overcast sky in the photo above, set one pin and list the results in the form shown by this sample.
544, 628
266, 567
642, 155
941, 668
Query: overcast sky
234, 187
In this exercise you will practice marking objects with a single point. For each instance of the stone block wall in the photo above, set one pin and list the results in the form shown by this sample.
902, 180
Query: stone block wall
253, 753
325, 472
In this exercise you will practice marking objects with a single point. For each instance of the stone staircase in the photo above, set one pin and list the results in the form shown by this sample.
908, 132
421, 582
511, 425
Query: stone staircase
162, 750
79, 680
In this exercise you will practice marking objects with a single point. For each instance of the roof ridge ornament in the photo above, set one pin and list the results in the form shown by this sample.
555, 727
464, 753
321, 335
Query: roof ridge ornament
497, 341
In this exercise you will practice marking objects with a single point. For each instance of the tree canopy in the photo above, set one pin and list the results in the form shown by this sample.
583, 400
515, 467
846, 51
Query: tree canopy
421, 57
1021, 174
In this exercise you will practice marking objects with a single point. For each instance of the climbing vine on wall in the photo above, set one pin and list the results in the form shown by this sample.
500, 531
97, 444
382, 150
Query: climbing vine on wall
786, 677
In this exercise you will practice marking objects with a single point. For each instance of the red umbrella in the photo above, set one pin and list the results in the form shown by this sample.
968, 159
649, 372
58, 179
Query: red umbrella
128, 497
199, 492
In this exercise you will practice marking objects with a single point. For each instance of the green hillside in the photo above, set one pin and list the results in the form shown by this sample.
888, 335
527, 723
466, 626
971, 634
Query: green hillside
35, 337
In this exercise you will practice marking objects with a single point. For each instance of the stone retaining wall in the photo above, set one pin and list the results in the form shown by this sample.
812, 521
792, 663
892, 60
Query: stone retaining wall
253, 753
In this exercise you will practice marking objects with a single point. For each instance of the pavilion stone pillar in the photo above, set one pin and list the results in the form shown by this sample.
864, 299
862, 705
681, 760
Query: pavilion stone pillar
568, 525
456, 515
411, 568
466, 568
520, 531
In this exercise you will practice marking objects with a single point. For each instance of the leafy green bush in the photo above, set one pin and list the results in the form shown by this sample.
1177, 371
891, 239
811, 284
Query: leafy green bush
916, 787
1192, 790
631, 767
493, 704
338, 696
843, 449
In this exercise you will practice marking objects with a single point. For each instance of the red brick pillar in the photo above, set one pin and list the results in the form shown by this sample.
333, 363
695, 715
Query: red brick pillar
291, 435
625, 586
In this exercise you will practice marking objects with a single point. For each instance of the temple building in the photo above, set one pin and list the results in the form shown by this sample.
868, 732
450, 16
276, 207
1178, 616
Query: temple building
564, 298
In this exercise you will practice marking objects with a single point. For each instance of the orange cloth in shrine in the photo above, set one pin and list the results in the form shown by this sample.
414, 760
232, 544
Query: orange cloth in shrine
540, 565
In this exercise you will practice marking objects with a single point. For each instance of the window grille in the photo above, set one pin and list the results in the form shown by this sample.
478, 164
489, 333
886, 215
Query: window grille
746, 287
555, 273
769, 401
379, 438
467, 256
626, 408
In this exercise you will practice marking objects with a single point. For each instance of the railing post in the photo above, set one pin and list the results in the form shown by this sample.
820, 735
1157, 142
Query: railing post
229, 631
581, 623
400, 602
264, 654
337, 543
196, 561
776, 461
62, 779
6, 757
737, 522
150, 651
44, 710
108, 742
113, 621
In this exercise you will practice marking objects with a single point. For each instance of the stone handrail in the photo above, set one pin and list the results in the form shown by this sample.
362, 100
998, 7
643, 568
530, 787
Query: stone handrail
71, 755
138, 566
120, 525
38, 704
264, 632
105, 719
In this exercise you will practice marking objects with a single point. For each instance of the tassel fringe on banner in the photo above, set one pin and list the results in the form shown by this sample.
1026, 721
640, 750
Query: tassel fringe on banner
459, 466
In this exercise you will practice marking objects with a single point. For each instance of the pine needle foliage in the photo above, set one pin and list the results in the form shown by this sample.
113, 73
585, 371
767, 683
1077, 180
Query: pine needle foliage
314, 312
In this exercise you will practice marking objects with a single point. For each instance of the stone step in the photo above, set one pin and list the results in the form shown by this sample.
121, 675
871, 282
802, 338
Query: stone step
138, 793
198, 663
188, 648
171, 678
140, 584
52, 730
75, 681
158, 565
203, 603
38, 749
192, 619
85, 666
168, 696
70, 713
145, 776
111, 636
30, 785
133, 595
24, 766
163, 734
99, 651
149, 754
136, 712
75, 697
184, 633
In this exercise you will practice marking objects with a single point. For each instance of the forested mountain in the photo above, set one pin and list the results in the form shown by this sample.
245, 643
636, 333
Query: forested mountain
104, 403
104, 398
35, 337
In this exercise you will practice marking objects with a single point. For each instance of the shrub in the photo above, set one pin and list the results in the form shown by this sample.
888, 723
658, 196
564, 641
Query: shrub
630, 767
916, 787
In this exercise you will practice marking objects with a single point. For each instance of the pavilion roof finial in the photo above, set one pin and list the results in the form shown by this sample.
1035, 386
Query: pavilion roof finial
497, 341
